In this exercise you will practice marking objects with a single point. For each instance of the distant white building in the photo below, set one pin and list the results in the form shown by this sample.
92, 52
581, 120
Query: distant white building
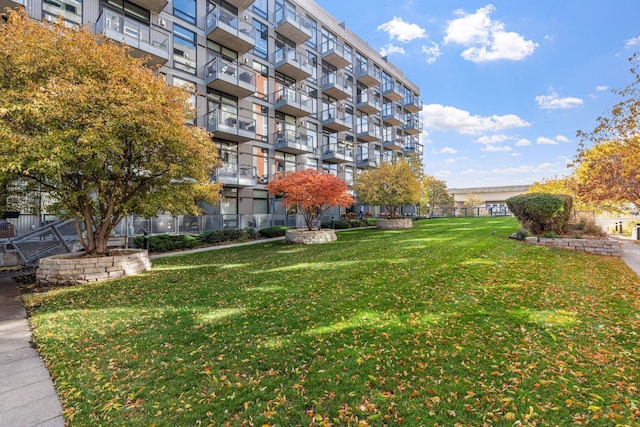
493, 199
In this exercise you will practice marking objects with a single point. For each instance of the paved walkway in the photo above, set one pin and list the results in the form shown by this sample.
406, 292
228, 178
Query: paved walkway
27, 396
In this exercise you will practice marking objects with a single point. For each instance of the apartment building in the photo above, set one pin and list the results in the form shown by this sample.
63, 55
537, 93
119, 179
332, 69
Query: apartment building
282, 85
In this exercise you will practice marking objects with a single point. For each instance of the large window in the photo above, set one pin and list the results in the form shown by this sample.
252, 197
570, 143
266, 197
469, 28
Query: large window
262, 80
185, 9
285, 161
191, 88
184, 49
262, 40
260, 115
128, 9
261, 8
261, 164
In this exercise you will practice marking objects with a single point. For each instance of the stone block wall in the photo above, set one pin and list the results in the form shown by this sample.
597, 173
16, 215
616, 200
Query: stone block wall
73, 269
394, 224
308, 237
594, 246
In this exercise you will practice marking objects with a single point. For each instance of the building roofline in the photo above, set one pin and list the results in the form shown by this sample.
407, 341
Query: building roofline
498, 189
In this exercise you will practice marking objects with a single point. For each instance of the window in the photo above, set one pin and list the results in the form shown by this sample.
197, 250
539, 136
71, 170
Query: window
262, 80
262, 122
261, 164
313, 41
285, 161
261, 8
260, 202
184, 49
331, 168
262, 40
191, 88
185, 9
128, 9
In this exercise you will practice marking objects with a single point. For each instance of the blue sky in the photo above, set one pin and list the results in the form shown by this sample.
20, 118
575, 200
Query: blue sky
505, 84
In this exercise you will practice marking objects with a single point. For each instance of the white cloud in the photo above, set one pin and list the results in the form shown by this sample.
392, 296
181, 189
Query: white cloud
493, 139
448, 118
402, 31
602, 88
447, 150
562, 138
495, 148
449, 161
443, 173
431, 52
522, 142
390, 49
553, 101
485, 39
632, 43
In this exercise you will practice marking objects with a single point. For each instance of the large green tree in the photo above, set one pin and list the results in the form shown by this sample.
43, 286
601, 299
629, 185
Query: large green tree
102, 134
608, 159
391, 185
435, 195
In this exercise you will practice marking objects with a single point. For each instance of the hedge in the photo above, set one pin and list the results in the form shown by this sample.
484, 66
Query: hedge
542, 212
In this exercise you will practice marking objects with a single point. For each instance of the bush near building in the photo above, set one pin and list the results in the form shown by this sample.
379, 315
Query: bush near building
541, 212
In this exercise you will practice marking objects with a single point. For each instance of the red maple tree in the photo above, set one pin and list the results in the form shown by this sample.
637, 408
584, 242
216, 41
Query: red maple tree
312, 191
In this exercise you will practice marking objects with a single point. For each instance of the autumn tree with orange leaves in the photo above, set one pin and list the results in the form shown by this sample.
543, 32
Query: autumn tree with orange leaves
312, 191
100, 133
607, 166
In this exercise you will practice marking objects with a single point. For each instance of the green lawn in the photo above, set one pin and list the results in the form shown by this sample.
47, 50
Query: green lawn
447, 323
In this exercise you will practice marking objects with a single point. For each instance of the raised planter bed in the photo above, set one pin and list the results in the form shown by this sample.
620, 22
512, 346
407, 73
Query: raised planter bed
309, 237
394, 224
74, 269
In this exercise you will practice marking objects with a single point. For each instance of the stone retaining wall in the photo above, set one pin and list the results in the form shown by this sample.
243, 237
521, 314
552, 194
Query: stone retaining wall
309, 237
394, 224
594, 246
73, 269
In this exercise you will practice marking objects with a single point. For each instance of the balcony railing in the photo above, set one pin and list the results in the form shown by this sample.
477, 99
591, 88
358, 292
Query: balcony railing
225, 28
292, 24
236, 175
367, 161
292, 63
393, 90
231, 126
413, 148
335, 118
335, 53
413, 126
412, 103
145, 41
368, 103
391, 115
368, 75
337, 152
336, 86
368, 132
393, 138
291, 141
230, 77
293, 102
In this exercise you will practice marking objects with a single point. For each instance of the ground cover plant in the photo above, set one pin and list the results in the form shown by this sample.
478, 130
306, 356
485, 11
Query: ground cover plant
447, 323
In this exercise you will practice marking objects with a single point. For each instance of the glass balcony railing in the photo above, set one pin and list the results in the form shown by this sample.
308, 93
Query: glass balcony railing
230, 77
292, 141
143, 39
226, 28
335, 53
293, 102
293, 63
368, 74
230, 125
292, 24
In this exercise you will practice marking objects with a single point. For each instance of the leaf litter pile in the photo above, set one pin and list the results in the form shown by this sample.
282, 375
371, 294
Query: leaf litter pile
446, 324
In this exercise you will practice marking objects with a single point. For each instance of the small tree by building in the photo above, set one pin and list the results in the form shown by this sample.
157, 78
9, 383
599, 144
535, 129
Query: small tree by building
472, 202
312, 191
391, 185
435, 195
97, 131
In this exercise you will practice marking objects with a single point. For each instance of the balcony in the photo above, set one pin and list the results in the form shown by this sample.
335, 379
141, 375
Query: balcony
292, 63
413, 126
230, 126
368, 132
336, 119
391, 116
230, 77
393, 91
147, 42
335, 53
294, 142
293, 102
336, 86
412, 103
293, 25
240, 4
393, 138
367, 161
152, 5
413, 149
234, 175
227, 29
368, 103
368, 75
337, 152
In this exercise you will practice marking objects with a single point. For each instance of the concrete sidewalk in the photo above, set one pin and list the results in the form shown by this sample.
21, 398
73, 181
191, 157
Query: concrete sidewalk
630, 252
27, 396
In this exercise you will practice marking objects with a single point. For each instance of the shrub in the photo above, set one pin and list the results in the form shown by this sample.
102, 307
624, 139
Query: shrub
541, 212
588, 224
213, 237
269, 232
167, 242
521, 234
